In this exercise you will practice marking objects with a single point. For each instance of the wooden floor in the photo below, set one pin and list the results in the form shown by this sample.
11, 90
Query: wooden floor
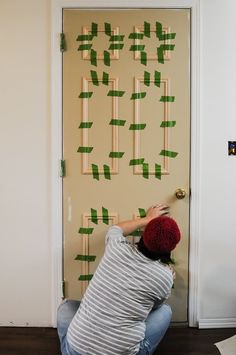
178, 341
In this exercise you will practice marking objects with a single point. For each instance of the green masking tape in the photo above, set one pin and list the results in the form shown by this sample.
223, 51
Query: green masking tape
137, 47
107, 173
117, 93
161, 49
93, 57
88, 258
105, 217
94, 216
138, 95
105, 78
116, 46
168, 153
107, 28
163, 36
84, 149
142, 212
147, 78
106, 58
85, 95
85, 125
85, 277
147, 29
84, 38
143, 58
136, 35
116, 122
95, 171
94, 77
83, 230
115, 38
116, 154
168, 123
137, 126
136, 161
85, 47
158, 171
146, 170
157, 78
166, 98
62, 42
94, 29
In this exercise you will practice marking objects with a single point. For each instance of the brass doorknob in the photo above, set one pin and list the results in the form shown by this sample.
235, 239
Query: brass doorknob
180, 193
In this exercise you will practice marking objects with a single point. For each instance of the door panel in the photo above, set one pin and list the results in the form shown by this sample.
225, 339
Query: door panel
126, 132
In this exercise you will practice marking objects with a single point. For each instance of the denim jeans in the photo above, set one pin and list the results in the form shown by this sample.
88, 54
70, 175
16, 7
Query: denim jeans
157, 324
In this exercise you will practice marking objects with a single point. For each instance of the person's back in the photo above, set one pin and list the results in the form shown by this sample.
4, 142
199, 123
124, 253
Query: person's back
126, 285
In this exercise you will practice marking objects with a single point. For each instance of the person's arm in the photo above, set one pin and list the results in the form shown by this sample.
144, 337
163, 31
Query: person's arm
130, 226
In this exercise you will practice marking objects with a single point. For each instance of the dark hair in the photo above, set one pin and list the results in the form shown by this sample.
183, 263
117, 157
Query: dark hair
164, 258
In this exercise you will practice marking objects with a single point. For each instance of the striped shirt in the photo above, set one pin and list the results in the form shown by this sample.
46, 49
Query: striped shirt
124, 289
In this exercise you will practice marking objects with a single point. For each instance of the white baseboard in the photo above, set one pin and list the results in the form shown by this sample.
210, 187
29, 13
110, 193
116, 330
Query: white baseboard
217, 323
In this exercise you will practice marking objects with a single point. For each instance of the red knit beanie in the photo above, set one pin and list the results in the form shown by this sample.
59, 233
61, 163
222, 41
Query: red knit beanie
161, 235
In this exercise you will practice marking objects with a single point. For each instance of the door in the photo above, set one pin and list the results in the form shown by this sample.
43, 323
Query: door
126, 132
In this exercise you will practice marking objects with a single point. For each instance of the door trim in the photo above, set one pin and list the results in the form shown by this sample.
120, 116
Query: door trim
57, 7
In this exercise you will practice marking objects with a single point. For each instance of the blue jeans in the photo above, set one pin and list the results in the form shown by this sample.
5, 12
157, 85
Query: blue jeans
157, 324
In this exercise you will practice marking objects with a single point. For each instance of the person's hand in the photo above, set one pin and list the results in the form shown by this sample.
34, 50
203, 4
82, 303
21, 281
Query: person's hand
157, 211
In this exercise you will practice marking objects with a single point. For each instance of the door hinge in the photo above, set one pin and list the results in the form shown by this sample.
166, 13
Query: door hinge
62, 42
63, 288
63, 168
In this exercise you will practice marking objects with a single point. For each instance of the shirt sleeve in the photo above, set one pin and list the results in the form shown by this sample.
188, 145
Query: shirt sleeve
115, 234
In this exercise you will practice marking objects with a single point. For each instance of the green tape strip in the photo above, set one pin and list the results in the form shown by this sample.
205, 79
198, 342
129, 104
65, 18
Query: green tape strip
87, 277
138, 95
143, 58
62, 42
135, 35
142, 212
85, 95
168, 123
83, 230
162, 49
147, 29
106, 58
137, 126
137, 47
158, 171
84, 38
116, 46
85, 124
107, 28
163, 36
117, 93
114, 38
94, 216
136, 161
136, 233
107, 173
116, 154
95, 171
167, 98
88, 258
105, 78
94, 29
168, 153
94, 77
105, 217
146, 170
158, 30
157, 78
84, 149
147, 76
85, 47
116, 122
93, 57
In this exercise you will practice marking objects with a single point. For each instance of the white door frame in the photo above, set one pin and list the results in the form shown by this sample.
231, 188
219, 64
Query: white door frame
57, 7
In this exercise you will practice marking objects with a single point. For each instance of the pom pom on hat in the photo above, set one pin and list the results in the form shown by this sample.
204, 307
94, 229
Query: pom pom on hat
161, 235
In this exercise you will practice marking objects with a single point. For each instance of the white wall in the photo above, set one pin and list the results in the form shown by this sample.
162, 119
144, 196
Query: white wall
25, 252
217, 298
25, 255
